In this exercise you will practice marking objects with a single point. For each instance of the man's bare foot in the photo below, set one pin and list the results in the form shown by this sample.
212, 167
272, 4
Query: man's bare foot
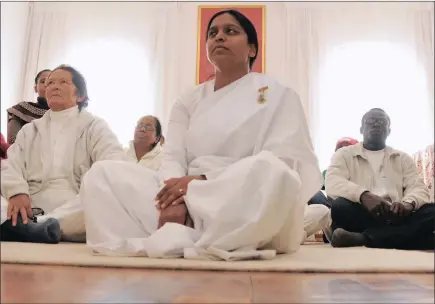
344, 238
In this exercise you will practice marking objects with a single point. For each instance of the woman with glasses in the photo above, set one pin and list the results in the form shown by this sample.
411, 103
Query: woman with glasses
45, 166
146, 149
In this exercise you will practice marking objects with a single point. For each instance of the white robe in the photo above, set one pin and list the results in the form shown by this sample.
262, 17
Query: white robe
47, 159
59, 199
261, 171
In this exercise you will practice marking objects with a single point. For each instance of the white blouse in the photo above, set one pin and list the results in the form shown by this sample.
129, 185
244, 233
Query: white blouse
151, 160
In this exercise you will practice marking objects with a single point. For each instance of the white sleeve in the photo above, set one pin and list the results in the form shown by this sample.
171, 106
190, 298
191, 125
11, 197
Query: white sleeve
104, 143
174, 157
13, 175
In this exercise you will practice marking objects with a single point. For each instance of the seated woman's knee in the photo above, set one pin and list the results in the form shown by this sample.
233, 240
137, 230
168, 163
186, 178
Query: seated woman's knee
104, 166
266, 160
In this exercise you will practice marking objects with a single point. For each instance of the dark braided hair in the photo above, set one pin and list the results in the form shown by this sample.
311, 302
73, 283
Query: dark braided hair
39, 75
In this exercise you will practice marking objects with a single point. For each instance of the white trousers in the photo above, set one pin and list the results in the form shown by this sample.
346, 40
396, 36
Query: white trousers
316, 218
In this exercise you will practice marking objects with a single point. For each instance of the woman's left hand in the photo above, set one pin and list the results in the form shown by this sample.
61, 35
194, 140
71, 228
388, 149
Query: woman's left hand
174, 190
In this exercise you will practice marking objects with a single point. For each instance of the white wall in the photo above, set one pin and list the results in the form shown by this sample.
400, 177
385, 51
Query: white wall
14, 17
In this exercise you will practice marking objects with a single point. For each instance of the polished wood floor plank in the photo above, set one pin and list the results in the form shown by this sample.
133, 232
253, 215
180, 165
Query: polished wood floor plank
57, 284
51, 284
25, 283
343, 288
184, 287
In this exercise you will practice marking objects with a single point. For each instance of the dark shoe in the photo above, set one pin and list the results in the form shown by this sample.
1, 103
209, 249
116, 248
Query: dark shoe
46, 232
344, 238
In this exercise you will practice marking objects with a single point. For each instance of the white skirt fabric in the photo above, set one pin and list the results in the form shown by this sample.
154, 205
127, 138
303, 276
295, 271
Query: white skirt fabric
251, 210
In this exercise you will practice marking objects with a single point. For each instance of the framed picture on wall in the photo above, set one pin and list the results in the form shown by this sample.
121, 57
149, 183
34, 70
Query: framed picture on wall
255, 13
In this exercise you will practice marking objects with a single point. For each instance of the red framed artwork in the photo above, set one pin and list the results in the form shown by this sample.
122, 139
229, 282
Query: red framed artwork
255, 13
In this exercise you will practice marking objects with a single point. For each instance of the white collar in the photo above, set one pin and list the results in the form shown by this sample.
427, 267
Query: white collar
151, 154
62, 115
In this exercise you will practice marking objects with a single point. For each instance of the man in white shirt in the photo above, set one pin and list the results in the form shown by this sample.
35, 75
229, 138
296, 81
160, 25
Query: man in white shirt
146, 149
379, 198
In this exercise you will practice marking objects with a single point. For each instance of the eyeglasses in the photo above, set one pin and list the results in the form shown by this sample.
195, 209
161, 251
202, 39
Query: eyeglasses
146, 128
35, 212
379, 121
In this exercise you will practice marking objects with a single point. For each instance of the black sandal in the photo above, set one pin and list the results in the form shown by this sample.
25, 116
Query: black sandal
35, 212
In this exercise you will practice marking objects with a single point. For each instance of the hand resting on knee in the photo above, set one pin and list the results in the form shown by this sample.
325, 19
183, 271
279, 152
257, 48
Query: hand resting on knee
19, 204
174, 190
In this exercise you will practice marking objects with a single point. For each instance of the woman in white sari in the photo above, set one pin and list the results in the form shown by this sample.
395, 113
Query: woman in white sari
238, 169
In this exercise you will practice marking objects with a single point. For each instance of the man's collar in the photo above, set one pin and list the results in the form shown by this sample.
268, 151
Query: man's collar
358, 150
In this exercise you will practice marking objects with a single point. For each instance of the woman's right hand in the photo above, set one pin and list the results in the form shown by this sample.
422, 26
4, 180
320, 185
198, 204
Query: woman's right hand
174, 190
19, 203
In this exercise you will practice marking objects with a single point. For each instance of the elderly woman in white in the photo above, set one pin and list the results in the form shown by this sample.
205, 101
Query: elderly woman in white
146, 149
47, 162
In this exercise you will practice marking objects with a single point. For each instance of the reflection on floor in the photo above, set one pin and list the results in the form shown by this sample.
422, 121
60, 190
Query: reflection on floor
57, 284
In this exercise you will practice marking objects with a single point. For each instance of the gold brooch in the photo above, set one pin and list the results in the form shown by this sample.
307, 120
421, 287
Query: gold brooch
261, 99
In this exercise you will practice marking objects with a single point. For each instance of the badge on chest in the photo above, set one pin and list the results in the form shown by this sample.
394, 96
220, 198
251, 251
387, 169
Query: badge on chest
262, 95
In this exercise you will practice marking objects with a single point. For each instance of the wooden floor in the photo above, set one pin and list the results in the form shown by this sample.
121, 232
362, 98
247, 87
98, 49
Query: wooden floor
60, 284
